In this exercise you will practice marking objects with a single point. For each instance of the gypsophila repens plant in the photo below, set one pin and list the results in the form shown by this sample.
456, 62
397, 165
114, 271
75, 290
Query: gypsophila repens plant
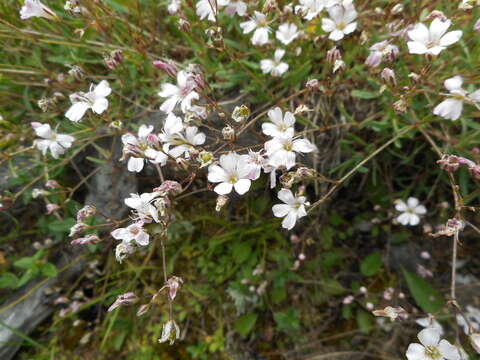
239, 120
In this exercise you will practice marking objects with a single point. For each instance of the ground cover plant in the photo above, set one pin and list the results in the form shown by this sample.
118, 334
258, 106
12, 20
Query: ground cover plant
239, 179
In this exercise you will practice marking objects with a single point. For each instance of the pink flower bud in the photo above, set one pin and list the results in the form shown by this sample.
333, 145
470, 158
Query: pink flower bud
86, 211
313, 85
52, 184
348, 299
374, 59
78, 228
88, 239
388, 75
35, 124
476, 26
123, 300
169, 186
333, 55
436, 14
168, 67
51, 208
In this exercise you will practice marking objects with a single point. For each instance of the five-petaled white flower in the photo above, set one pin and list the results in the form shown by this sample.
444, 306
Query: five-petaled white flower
133, 232
452, 107
233, 172
143, 206
140, 150
235, 7
56, 143
341, 21
260, 25
280, 124
274, 66
34, 8
286, 33
182, 93
431, 347
282, 150
432, 40
311, 8
292, 209
175, 142
94, 99
410, 211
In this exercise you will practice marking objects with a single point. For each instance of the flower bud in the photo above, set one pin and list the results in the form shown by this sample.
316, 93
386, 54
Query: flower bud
170, 332
168, 67
374, 59
436, 14
51, 208
240, 113
338, 65
475, 341
86, 211
123, 300
400, 106
77, 72
221, 202
87, 239
313, 85
397, 9
476, 26
52, 184
78, 228
228, 133
333, 55
169, 187
388, 76
184, 25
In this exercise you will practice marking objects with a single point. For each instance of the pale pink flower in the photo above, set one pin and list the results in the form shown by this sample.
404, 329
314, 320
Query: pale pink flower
233, 172
432, 40
274, 66
183, 93
133, 232
34, 8
56, 143
260, 25
95, 99
292, 209
341, 21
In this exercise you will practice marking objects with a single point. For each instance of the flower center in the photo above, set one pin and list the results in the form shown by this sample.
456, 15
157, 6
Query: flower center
288, 146
233, 179
341, 26
432, 352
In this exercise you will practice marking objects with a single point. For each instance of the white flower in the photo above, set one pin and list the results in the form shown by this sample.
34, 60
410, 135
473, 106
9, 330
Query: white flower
56, 143
174, 6
292, 209
182, 93
260, 25
36, 8
238, 7
274, 67
207, 9
473, 316
170, 332
431, 348
432, 40
410, 211
234, 172
143, 206
452, 107
94, 99
140, 149
282, 150
341, 21
311, 8
430, 322
133, 232
286, 33
175, 142
258, 162
280, 124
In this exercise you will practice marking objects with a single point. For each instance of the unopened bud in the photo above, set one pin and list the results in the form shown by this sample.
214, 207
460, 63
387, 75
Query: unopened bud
51, 208
221, 202
184, 25
124, 299
388, 75
86, 211
86, 240
52, 184
338, 65
400, 106
313, 85
228, 133
475, 341
436, 14
167, 66
78, 228
77, 72
397, 9
333, 55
